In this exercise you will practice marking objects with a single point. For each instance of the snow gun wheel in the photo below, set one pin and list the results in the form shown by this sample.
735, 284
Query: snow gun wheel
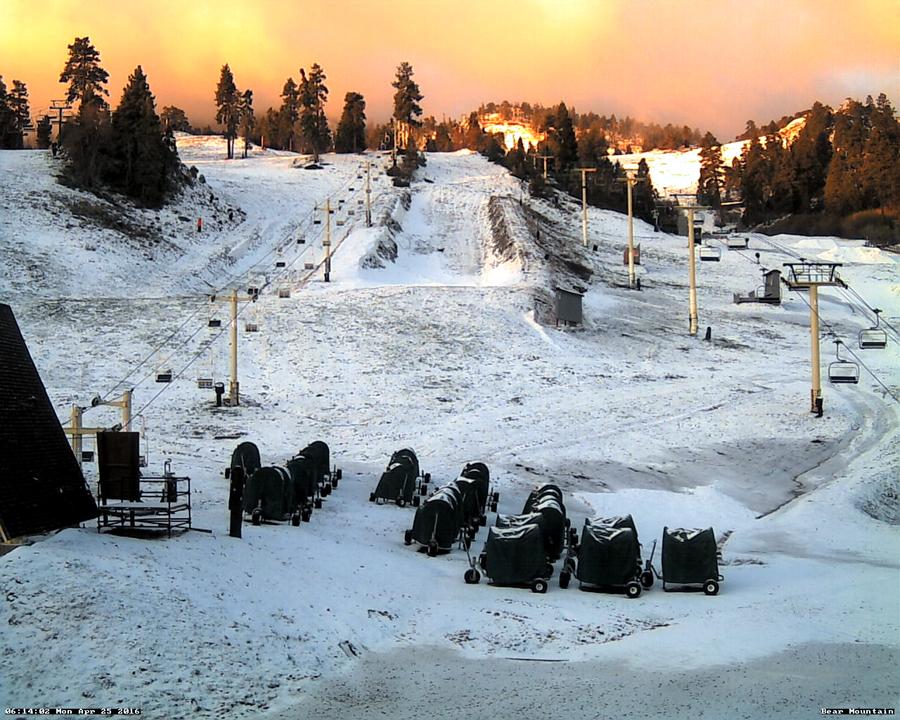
407, 537
326, 490
371, 497
564, 577
432, 549
318, 503
306, 514
633, 590
295, 519
401, 502
472, 576
338, 475
711, 587
416, 500
423, 489
257, 516
482, 521
647, 579
539, 586
494, 506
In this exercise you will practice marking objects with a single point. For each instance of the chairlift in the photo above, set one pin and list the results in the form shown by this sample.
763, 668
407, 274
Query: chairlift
164, 376
284, 293
280, 264
737, 242
205, 383
214, 323
873, 338
710, 253
842, 371
251, 327
309, 266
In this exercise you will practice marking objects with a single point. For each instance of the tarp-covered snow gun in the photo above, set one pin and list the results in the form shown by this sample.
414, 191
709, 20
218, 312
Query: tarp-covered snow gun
475, 482
547, 500
401, 482
608, 556
246, 457
691, 557
436, 525
514, 556
269, 495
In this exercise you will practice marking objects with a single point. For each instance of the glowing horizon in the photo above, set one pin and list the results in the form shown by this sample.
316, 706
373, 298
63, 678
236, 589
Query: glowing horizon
708, 64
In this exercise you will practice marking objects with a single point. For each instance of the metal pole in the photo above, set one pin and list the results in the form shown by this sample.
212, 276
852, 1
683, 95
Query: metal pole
234, 393
368, 197
816, 391
327, 242
692, 265
584, 208
76, 436
630, 235
126, 410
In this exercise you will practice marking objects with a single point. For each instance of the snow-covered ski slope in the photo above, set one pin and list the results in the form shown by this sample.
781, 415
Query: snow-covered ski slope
434, 334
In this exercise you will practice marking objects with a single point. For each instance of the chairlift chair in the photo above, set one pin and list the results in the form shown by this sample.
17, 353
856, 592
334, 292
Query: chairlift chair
710, 253
842, 371
284, 292
873, 338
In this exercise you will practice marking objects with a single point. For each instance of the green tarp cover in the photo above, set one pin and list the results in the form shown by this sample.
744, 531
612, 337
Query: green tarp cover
399, 480
505, 521
607, 555
437, 519
617, 521
689, 555
318, 453
303, 477
472, 502
271, 489
554, 524
515, 555
543, 491
246, 456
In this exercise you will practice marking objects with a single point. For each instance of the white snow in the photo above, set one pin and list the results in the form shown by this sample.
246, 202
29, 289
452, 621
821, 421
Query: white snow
442, 350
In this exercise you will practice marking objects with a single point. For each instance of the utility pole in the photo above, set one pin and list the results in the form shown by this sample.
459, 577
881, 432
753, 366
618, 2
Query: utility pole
368, 195
545, 158
59, 107
584, 172
810, 276
692, 265
234, 394
326, 243
631, 179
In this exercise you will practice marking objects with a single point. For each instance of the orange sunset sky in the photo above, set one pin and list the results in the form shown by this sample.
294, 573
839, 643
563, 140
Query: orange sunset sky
710, 64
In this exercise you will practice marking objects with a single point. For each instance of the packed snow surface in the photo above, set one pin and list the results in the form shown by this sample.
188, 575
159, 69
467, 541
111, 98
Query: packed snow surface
434, 333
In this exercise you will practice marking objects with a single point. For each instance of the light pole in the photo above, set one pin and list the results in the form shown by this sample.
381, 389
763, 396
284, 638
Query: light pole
584, 172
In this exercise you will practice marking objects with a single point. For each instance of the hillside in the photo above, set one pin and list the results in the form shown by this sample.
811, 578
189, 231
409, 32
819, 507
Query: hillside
436, 333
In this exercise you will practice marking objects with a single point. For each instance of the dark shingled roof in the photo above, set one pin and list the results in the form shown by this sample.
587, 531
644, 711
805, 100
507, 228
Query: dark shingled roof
42, 487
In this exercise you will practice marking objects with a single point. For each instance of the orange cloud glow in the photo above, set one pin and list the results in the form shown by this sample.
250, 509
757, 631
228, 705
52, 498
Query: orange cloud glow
711, 64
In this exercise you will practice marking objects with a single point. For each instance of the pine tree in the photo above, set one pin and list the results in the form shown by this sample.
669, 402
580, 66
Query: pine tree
313, 124
175, 119
228, 100
288, 114
709, 186
562, 141
810, 154
407, 110
248, 119
85, 77
880, 168
44, 132
21, 112
350, 136
142, 162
